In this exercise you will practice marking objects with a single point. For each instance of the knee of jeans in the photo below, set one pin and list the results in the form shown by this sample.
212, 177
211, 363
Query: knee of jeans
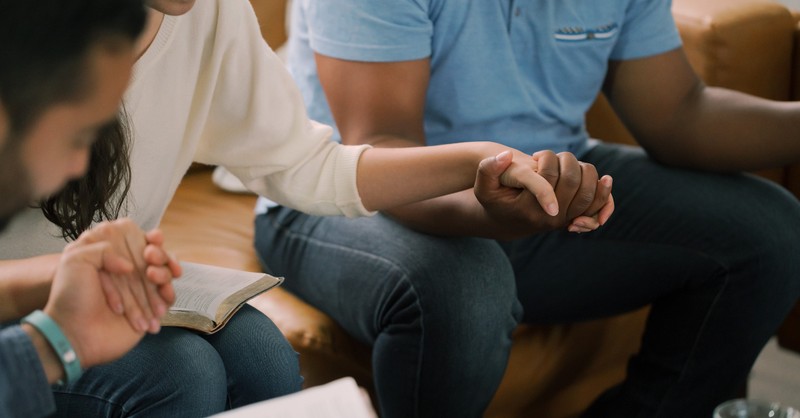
258, 355
185, 358
467, 282
258, 378
284, 373
778, 267
766, 248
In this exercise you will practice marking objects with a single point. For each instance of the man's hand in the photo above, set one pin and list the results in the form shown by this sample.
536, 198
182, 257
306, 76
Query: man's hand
576, 182
515, 188
78, 306
144, 294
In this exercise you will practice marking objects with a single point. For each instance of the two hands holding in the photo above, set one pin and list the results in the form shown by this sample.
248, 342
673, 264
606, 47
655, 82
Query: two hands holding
114, 283
527, 194
111, 287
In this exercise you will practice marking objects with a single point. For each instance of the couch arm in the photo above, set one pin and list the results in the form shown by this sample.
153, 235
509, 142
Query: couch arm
745, 45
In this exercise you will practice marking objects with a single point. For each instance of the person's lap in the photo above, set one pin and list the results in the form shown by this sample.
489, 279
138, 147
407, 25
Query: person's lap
668, 224
711, 253
178, 373
709, 250
435, 309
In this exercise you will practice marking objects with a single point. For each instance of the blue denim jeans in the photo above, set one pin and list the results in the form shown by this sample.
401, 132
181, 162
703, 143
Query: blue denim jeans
178, 373
712, 254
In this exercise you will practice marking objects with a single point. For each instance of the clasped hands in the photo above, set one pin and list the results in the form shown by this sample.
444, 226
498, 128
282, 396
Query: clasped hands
525, 194
112, 285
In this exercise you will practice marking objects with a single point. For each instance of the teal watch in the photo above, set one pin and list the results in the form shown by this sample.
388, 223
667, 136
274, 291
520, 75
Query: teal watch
52, 333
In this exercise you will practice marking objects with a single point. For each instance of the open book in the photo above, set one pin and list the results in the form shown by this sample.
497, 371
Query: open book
341, 398
208, 296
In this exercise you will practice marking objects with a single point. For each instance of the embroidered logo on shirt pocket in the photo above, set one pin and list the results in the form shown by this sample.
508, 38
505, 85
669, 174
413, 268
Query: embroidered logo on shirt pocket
579, 34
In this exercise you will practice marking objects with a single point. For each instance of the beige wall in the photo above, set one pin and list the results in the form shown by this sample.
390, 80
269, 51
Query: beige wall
794, 4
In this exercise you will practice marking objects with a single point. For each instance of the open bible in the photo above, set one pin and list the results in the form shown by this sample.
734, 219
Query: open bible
208, 296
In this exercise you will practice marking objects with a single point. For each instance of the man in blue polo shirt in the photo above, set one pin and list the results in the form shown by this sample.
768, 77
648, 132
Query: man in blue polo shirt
710, 252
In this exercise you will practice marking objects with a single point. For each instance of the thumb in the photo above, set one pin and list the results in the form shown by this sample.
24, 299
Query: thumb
490, 169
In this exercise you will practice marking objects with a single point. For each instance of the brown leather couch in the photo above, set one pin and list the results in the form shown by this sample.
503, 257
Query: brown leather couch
554, 371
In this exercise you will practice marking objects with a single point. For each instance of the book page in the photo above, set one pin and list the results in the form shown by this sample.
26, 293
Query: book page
202, 288
341, 398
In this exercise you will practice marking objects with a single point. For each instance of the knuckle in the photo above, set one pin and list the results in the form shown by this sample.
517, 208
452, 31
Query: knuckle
589, 169
544, 153
104, 227
570, 180
584, 198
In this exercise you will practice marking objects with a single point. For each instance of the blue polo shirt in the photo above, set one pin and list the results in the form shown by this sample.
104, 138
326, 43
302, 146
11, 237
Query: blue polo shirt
519, 72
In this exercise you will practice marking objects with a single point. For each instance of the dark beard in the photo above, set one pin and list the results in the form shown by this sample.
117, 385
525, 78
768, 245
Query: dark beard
15, 185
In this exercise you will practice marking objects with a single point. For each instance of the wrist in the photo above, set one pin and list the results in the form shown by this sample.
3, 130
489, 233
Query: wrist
491, 149
47, 355
41, 327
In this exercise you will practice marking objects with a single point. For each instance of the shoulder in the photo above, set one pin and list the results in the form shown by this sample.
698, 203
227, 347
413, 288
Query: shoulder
209, 14
219, 24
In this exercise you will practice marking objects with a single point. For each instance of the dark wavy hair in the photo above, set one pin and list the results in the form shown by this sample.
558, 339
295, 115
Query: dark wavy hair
100, 194
44, 50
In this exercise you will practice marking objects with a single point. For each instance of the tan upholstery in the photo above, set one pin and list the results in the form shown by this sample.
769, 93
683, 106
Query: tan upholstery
554, 371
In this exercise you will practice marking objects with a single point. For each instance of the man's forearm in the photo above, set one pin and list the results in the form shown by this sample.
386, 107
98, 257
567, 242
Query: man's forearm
725, 130
458, 214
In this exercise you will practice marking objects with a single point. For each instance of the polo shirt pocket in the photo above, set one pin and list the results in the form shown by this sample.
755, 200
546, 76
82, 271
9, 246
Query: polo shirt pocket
578, 34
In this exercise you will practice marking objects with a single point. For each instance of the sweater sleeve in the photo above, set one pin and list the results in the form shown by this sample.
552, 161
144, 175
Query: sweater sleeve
257, 126
24, 391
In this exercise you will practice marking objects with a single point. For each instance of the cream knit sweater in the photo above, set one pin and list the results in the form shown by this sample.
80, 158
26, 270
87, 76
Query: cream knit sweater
210, 90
